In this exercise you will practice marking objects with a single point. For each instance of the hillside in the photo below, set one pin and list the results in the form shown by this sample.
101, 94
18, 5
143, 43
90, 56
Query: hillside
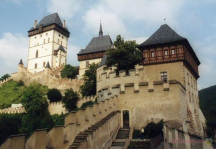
207, 99
11, 92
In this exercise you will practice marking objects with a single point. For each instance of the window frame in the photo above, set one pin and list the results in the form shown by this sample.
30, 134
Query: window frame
164, 76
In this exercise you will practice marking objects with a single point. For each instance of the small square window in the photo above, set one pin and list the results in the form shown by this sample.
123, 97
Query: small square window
87, 64
35, 65
152, 54
173, 51
163, 76
44, 63
40, 35
46, 33
165, 52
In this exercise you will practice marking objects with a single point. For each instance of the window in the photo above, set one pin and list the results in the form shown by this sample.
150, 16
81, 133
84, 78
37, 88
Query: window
173, 51
35, 65
165, 52
44, 63
44, 40
152, 54
61, 42
58, 41
35, 37
59, 35
40, 35
48, 40
62, 37
163, 76
46, 33
87, 64
36, 54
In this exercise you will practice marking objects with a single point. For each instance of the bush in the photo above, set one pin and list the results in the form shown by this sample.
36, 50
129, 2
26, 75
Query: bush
4, 77
54, 95
20, 83
86, 104
10, 124
58, 119
69, 72
37, 116
70, 100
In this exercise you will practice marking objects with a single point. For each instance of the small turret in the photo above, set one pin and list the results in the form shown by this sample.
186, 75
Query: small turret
48, 65
100, 30
20, 63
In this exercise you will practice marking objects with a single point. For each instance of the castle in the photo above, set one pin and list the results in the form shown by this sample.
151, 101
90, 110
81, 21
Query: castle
164, 87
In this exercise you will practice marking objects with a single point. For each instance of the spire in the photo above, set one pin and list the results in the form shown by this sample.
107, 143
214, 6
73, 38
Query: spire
48, 65
20, 63
100, 31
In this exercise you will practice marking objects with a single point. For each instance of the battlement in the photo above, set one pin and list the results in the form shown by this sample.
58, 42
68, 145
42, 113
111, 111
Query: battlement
11, 110
5, 81
75, 123
47, 77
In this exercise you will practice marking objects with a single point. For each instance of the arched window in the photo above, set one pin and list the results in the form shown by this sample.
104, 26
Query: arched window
36, 53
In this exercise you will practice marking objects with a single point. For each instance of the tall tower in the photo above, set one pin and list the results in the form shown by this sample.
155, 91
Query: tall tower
48, 42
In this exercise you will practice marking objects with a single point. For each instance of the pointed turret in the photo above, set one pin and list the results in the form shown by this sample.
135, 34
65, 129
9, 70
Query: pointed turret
48, 65
20, 63
100, 31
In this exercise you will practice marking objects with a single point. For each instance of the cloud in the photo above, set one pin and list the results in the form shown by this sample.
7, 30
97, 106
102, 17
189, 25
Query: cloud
110, 22
71, 55
65, 8
13, 47
139, 40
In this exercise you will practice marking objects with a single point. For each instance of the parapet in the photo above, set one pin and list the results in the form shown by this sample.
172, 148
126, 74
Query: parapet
75, 122
5, 81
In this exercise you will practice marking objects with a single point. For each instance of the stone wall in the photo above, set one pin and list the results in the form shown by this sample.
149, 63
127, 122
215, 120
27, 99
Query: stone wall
48, 77
75, 123
5, 81
54, 107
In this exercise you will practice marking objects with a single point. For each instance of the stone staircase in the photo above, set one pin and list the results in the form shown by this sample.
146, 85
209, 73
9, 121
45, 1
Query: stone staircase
122, 136
82, 136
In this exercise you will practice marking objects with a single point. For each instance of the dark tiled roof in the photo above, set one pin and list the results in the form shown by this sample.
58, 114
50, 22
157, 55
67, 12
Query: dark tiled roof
48, 20
163, 35
97, 44
103, 61
61, 48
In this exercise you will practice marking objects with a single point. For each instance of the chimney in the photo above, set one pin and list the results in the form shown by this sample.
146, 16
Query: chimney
35, 23
64, 23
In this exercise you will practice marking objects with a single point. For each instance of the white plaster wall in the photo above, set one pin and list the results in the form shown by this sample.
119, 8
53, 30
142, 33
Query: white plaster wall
46, 50
83, 67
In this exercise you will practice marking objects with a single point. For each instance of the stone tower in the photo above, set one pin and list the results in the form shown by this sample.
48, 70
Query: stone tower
48, 42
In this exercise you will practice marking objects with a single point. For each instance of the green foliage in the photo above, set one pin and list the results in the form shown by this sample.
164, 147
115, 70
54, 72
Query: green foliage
150, 131
136, 134
10, 92
10, 124
58, 119
4, 77
125, 55
70, 99
89, 86
54, 95
86, 104
20, 83
207, 98
35, 103
69, 72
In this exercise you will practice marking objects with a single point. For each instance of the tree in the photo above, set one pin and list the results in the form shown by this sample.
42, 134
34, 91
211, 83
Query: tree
69, 72
36, 106
124, 55
4, 77
89, 86
70, 99
54, 95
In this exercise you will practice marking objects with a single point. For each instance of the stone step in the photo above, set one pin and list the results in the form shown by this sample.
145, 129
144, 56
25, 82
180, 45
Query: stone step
118, 143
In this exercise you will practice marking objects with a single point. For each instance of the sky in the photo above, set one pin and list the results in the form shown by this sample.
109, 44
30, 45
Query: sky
132, 19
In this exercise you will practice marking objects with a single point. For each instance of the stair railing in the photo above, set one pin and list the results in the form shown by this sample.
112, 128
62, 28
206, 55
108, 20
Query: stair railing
128, 139
112, 137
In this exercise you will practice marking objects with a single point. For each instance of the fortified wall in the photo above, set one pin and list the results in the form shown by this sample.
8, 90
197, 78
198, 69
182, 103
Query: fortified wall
148, 99
93, 127
48, 77
54, 107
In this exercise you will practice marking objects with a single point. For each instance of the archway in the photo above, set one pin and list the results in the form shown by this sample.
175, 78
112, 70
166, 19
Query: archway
126, 119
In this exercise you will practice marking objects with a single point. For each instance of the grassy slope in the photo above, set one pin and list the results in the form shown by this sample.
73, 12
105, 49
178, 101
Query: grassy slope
10, 93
